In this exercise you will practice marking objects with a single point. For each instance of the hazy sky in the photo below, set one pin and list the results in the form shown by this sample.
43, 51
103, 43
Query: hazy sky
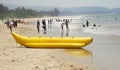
65, 3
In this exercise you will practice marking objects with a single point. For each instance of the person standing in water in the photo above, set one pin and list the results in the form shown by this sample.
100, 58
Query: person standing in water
67, 24
44, 26
62, 25
38, 26
87, 23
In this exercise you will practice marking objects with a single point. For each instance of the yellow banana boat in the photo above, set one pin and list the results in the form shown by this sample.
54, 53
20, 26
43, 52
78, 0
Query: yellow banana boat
52, 42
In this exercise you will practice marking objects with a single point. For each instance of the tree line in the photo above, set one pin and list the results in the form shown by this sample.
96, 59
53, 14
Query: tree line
22, 12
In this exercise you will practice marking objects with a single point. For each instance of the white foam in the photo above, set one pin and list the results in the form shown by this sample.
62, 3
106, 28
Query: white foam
102, 31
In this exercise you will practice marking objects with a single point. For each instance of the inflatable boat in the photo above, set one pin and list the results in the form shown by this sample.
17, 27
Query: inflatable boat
52, 42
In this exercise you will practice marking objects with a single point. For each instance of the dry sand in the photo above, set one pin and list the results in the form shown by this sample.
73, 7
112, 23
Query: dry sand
16, 57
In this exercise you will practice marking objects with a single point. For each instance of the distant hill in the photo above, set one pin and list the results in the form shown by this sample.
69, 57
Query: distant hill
37, 8
71, 11
10, 6
87, 10
116, 10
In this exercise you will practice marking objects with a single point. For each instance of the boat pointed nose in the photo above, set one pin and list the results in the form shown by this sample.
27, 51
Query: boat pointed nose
91, 39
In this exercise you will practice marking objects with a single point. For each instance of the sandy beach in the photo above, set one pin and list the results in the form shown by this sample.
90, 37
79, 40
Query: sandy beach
16, 57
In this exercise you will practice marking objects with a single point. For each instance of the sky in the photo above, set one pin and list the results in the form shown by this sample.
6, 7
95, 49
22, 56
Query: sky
65, 3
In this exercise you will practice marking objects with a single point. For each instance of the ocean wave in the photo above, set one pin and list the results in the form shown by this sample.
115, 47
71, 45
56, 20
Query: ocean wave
102, 30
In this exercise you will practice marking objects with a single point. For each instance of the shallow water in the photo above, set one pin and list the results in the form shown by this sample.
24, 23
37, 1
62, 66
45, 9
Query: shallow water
106, 52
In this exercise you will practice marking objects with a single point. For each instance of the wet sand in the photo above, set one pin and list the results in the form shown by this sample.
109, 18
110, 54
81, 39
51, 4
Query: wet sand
105, 51
16, 57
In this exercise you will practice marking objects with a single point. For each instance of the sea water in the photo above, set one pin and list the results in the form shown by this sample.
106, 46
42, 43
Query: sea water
106, 24
110, 24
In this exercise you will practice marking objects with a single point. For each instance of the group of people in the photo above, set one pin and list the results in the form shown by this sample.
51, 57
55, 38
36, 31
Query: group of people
64, 22
86, 24
10, 24
43, 25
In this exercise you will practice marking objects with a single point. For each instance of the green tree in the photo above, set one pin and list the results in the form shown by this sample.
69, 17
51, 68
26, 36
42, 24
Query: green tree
3, 9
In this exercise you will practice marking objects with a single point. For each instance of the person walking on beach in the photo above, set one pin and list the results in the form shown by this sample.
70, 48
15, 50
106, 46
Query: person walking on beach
10, 25
44, 26
7, 23
38, 26
15, 23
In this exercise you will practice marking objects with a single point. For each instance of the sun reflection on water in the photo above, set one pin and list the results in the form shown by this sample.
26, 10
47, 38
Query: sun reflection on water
79, 52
